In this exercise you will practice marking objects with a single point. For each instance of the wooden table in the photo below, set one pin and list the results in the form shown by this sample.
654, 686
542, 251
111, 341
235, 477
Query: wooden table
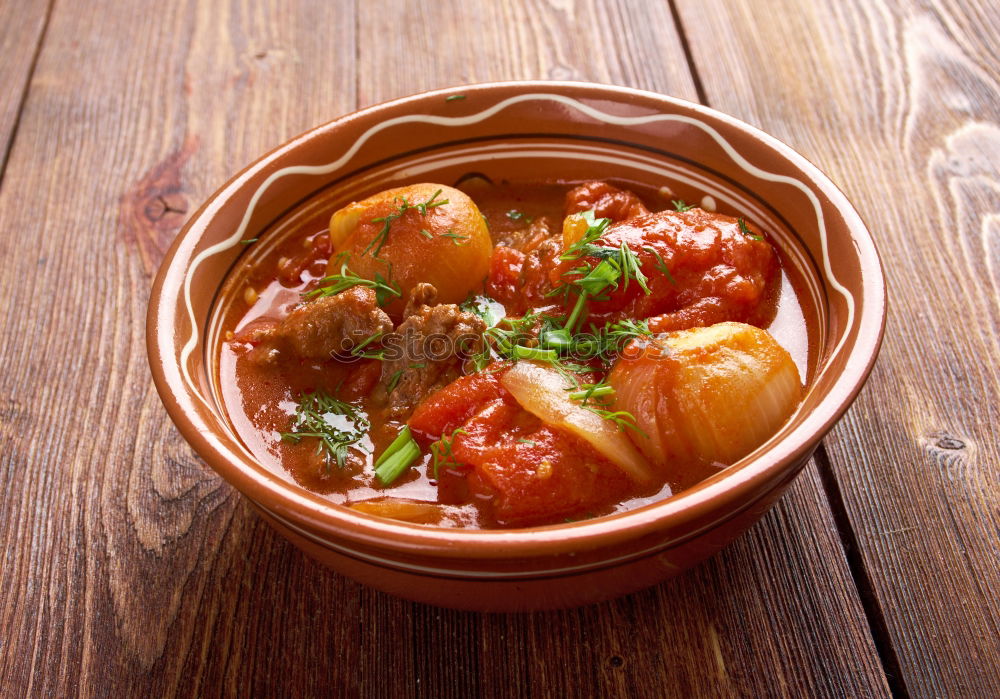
130, 569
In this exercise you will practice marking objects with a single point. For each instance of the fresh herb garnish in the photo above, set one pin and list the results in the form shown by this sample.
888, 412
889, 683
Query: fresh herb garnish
313, 420
554, 341
680, 206
622, 418
455, 237
522, 440
515, 215
536, 353
595, 229
592, 390
360, 351
441, 451
745, 230
426, 233
661, 265
402, 206
617, 266
452, 98
248, 241
605, 344
394, 380
492, 312
396, 458
385, 290
594, 397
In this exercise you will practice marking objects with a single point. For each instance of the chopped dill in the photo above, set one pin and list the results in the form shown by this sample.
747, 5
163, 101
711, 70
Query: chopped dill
394, 380
333, 284
402, 206
360, 350
745, 230
310, 421
441, 452
455, 237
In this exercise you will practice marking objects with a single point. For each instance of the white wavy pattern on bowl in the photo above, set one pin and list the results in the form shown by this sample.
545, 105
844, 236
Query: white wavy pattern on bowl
596, 114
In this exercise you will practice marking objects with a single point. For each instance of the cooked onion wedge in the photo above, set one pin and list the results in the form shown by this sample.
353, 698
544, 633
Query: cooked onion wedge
403, 510
542, 392
706, 395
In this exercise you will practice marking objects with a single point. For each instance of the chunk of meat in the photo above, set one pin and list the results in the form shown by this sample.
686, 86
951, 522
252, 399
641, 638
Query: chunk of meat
426, 352
422, 294
605, 200
325, 328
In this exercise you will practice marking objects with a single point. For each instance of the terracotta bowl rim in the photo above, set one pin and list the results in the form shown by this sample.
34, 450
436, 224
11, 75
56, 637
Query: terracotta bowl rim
730, 492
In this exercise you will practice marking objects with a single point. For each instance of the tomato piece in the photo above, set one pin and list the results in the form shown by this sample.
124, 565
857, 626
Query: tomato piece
521, 281
711, 267
360, 382
531, 473
448, 408
504, 282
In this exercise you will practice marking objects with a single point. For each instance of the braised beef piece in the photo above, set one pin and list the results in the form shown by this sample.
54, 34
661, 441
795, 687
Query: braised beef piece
426, 351
324, 328
422, 294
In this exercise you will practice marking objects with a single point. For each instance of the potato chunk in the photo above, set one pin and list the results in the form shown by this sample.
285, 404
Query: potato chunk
428, 233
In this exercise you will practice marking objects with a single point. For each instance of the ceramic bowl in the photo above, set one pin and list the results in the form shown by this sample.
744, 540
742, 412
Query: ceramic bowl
525, 131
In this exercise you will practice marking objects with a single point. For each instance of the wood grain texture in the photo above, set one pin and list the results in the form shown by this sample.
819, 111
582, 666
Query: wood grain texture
412, 47
900, 103
129, 567
21, 28
109, 526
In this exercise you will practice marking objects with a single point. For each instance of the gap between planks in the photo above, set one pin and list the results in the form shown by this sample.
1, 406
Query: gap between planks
25, 88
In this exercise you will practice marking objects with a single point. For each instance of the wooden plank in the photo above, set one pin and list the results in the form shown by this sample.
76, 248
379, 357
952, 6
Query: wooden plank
765, 618
129, 567
110, 527
424, 46
900, 103
21, 27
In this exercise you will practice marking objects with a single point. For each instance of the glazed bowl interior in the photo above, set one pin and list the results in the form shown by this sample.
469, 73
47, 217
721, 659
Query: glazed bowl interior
522, 132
